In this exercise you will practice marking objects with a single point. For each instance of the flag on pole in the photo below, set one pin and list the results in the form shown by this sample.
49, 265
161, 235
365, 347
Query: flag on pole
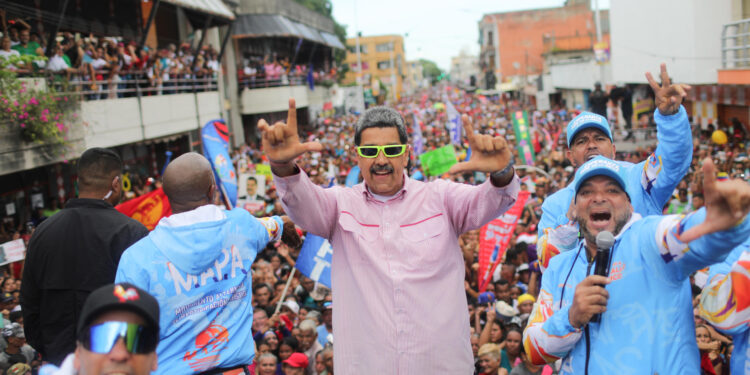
315, 258
147, 209
215, 136
454, 121
494, 238
437, 162
417, 138
523, 137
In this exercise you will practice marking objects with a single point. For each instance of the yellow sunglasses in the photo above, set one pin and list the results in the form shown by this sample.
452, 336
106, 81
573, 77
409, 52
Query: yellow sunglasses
390, 151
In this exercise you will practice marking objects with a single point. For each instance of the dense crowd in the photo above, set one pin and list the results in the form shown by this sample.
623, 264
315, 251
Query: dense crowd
301, 323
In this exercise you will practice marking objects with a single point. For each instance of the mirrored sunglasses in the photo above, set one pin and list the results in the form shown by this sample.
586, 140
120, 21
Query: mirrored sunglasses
101, 338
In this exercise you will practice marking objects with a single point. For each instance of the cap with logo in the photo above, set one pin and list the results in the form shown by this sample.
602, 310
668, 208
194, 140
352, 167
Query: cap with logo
587, 120
599, 166
13, 330
122, 296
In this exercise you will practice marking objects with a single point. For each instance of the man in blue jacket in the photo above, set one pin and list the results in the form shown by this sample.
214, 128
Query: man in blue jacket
197, 265
725, 303
649, 183
645, 303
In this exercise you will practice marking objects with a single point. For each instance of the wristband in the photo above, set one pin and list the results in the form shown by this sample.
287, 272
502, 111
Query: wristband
499, 174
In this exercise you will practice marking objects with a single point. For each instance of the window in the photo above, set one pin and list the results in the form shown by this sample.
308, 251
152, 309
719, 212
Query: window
382, 65
353, 49
384, 47
489, 38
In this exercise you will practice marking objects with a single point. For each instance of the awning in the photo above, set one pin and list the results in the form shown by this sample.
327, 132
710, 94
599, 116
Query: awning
276, 25
332, 40
215, 8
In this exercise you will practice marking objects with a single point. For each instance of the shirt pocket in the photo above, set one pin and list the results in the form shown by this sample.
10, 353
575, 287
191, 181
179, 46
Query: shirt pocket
424, 240
363, 236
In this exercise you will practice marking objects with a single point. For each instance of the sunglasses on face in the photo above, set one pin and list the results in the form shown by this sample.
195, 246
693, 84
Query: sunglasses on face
390, 151
101, 338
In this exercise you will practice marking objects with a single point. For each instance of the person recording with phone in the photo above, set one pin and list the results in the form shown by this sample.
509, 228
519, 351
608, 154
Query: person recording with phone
644, 301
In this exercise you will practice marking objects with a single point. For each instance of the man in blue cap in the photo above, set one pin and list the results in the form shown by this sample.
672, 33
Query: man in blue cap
649, 183
646, 324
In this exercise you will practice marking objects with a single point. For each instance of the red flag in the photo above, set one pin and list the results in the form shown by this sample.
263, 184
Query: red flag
147, 209
497, 234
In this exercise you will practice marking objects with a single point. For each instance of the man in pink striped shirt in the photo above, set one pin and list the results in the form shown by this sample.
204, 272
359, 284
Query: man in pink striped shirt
397, 270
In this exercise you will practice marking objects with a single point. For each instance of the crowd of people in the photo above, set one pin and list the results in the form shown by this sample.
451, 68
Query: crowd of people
280, 71
101, 67
292, 316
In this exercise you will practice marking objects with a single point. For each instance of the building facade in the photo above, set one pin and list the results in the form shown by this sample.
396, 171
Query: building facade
383, 63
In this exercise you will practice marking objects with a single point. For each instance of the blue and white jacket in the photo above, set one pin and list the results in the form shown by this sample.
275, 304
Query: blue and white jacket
197, 265
650, 185
725, 303
648, 326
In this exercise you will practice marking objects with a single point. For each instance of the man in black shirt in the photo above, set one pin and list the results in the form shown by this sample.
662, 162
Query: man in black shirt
598, 100
73, 253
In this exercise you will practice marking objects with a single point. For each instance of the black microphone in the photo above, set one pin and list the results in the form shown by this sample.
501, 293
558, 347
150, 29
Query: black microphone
604, 241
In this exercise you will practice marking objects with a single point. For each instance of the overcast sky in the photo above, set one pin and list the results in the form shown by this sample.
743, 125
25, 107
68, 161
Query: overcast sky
437, 29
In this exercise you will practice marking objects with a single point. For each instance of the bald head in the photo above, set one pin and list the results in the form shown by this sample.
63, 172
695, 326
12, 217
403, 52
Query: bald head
189, 182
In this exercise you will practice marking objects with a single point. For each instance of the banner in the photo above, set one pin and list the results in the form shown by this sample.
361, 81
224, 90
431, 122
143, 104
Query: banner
12, 251
314, 259
147, 209
523, 138
265, 170
437, 162
494, 238
417, 139
454, 121
353, 177
215, 136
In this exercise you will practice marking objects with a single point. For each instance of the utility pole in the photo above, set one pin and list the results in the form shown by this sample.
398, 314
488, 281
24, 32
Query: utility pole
360, 90
393, 70
598, 22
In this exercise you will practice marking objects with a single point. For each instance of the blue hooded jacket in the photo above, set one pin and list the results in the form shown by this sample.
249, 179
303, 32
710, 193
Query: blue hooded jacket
197, 265
650, 185
648, 326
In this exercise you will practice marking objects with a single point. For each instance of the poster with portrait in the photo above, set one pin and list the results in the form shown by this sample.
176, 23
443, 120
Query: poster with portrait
251, 192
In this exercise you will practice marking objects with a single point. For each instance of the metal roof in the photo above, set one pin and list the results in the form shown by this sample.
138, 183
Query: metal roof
259, 25
213, 7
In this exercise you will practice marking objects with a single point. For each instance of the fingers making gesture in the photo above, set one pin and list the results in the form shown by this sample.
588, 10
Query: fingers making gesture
667, 96
281, 142
488, 154
727, 203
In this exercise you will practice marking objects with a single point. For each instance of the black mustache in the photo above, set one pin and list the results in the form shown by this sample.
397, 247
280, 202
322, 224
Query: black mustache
381, 168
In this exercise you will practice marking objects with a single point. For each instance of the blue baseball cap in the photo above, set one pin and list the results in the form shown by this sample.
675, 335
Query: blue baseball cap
599, 166
587, 120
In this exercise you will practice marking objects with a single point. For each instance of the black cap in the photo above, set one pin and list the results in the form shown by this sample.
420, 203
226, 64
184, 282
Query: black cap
122, 296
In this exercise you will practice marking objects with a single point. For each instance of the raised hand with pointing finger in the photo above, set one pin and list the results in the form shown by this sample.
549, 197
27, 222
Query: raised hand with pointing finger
281, 142
488, 154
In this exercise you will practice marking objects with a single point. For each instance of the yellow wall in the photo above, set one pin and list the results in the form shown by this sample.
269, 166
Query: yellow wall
371, 57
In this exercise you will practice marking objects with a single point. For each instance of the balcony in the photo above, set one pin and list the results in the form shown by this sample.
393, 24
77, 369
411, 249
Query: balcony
735, 53
110, 114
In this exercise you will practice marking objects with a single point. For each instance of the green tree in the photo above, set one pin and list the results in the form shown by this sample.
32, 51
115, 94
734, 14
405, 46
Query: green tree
430, 70
325, 8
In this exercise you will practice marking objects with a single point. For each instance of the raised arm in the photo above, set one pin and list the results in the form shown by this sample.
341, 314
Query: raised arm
669, 163
310, 206
687, 244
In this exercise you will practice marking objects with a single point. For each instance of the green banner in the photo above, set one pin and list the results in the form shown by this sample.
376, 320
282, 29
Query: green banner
437, 162
523, 137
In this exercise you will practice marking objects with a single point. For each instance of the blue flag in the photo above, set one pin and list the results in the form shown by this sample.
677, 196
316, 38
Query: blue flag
314, 259
353, 177
454, 121
215, 136
417, 137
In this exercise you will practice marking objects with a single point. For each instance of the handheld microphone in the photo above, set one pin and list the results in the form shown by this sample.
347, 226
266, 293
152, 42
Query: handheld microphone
604, 241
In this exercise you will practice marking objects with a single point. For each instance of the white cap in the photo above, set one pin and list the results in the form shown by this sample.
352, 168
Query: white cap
292, 305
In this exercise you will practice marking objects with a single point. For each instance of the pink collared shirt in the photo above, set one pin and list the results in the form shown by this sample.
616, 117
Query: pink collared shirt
397, 271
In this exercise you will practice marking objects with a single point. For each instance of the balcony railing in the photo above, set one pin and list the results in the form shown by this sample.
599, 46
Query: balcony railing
735, 45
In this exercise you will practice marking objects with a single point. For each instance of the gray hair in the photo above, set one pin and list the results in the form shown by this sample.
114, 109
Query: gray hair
308, 325
268, 355
380, 117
